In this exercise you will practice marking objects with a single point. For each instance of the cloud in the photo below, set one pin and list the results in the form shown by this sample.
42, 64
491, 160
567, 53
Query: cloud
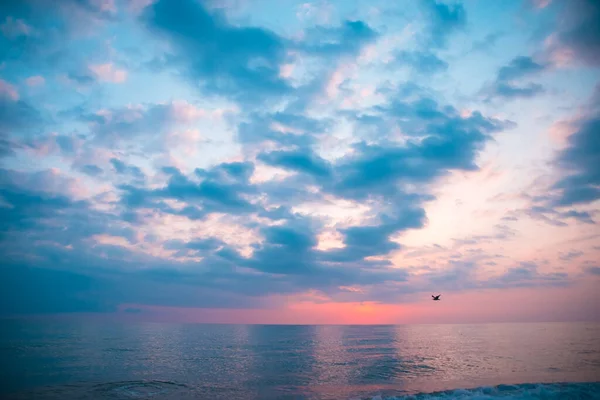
244, 64
570, 255
593, 270
334, 42
525, 275
17, 117
461, 276
105, 268
125, 169
488, 42
35, 80
422, 61
297, 161
210, 193
15, 28
577, 37
507, 80
519, 67
241, 63
285, 129
8, 91
579, 161
36, 31
443, 20
92, 170
81, 77
120, 126
109, 73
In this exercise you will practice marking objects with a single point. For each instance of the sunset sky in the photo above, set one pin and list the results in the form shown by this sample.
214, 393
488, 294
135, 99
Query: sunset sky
278, 161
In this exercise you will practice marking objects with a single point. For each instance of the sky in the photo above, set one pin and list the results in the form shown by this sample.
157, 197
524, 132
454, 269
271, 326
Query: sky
278, 161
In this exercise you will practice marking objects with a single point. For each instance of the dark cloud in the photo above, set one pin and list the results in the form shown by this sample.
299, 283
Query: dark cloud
580, 160
365, 241
40, 29
301, 161
593, 270
241, 63
579, 31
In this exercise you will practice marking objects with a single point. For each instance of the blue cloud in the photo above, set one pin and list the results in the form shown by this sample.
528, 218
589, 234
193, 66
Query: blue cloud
365, 241
210, 194
593, 270
519, 67
348, 39
506, 84
242, 63
17, 117
422, 61
125, 169
92, 170
580, 161
301, 161
444, 20
580, 34
258, 128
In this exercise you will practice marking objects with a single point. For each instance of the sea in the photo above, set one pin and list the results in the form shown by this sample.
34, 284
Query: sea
99, 360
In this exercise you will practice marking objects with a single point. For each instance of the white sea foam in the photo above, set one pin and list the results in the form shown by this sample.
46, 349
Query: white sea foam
528, 391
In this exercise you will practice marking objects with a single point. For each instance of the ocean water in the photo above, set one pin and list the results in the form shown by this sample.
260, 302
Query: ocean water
41, 360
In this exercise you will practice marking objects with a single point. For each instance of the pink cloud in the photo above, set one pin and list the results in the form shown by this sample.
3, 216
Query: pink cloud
36, 80
109, 73
138, 6
105, 5
8, 91
13, 28
539, 4
320, 11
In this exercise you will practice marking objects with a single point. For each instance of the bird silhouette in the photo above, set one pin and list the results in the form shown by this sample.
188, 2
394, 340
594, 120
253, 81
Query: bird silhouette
436, 297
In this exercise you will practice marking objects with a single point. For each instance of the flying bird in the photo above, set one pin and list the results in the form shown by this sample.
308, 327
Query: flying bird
436, 297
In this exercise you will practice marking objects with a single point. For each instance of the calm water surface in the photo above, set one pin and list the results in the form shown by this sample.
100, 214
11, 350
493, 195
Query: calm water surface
93, 360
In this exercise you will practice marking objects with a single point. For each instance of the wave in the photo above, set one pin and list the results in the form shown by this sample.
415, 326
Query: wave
168, 390
525, 391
